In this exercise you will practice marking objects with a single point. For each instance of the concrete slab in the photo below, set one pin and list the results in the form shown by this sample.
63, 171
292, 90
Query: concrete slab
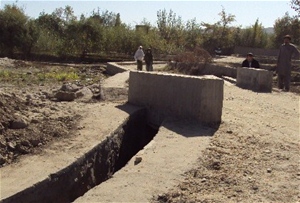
162, 165
254, 79
199, 98
113, 68
116, 88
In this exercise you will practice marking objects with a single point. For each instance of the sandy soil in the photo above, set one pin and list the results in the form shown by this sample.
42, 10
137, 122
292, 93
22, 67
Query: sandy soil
253, 157
30, 119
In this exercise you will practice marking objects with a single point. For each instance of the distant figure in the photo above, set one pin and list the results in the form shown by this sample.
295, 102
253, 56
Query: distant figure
284, 63
139, 56
218, 51
250, 62
149, 60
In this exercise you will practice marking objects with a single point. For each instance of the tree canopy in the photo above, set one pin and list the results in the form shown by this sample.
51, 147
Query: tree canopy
61, 33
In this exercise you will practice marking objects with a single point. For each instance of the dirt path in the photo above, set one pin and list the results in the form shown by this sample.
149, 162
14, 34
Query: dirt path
253, 157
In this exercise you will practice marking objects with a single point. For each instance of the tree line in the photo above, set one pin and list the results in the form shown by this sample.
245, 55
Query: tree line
61, 33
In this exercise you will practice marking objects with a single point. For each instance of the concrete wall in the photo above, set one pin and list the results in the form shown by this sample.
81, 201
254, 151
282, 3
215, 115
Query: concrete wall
204, 69
126, 63
114, 68
255, 79
191, 97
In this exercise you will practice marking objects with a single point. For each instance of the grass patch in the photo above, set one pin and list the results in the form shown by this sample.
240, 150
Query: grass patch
58, 76
5, 74
41, 74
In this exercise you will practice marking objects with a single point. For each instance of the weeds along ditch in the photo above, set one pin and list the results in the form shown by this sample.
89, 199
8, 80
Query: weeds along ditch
40, 74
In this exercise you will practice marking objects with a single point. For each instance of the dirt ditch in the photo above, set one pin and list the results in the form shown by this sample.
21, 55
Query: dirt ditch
96, 166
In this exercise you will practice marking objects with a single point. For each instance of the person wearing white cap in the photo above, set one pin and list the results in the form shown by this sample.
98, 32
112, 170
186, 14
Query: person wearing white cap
139, 57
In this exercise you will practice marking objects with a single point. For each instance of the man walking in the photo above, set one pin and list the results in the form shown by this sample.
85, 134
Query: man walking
139, 56
284, 63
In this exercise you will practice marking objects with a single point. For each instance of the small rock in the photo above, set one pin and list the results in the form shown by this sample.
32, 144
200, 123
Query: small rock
69, 88
84, 94
2, 160
162, 198
96, 90
216, 165
97, 96
1, 128
80, 127
229, 131
43, 97
2, 144
203, 180
255, 187
137, 160
65, 96
28, 96
35, 121
22, 149
25, 143
269, 170
34, 142
53, 108
267, 151
45, 93
11, 145
19, 122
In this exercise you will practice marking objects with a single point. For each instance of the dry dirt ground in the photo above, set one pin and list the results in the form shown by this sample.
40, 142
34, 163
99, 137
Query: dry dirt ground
30, 118
253, 157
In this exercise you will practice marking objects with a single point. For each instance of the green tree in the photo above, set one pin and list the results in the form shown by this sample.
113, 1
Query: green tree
286, 25
254, 36
31, 36
295, 4
13, 31
219, 34
171, 29
192, 34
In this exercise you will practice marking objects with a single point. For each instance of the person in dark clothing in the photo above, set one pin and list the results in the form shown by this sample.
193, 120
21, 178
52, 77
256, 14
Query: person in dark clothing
149, 60
284, 62
250, 62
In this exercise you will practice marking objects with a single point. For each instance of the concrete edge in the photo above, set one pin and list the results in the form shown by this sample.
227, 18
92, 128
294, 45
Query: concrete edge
113, 68
66, 179
134, 63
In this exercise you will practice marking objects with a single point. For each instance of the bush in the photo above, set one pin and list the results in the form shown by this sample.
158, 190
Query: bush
195, 56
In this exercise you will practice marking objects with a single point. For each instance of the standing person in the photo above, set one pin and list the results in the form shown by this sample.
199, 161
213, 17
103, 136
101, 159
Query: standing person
149, 60
139, 56
250, 62
284, 62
